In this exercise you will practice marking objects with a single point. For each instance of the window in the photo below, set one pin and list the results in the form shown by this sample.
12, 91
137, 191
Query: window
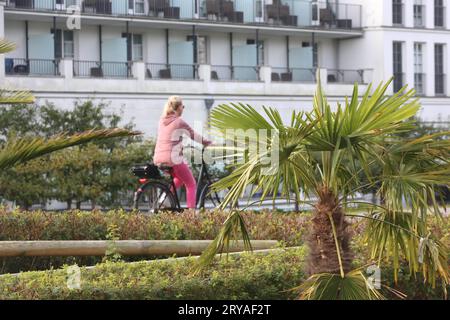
439, 83
398, 66
68, 44
419, 76
136, 6
135, 51
419, 14
397, 12
64, 44
439, 9
138, 48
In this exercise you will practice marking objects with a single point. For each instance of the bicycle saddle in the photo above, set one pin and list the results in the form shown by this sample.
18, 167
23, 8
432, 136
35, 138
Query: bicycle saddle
165, 168
149, 171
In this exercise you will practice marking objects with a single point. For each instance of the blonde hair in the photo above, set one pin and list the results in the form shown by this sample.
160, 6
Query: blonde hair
172, 105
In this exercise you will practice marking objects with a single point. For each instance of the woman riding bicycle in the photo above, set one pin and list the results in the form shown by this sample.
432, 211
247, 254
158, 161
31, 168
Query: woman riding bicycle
169, 150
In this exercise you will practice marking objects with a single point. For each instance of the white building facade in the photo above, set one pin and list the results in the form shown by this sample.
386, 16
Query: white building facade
133, 54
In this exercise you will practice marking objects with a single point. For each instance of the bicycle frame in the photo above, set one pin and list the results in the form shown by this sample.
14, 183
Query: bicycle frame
203, 180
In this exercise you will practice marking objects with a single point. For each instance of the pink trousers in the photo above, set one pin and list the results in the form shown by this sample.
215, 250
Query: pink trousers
182, 175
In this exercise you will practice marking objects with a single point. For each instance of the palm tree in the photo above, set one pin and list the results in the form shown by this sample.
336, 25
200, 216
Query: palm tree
24, 149
330, 155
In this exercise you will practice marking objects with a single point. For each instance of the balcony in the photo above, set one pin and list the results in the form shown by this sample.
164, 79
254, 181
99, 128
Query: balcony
171, 71
287, 13
102, 69
346, 76
293, 74
111, 78
31, 67
234, 73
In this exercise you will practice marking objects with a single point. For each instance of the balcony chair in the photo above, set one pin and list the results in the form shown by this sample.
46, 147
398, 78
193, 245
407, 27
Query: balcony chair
331, 78
326, 17
165, 74
286, 76
103, 6
158, 6
97, 72
23, 4
344, 23
275, 76
172, 12
21, 69
289, 20
228, 10
214, 75
212, 7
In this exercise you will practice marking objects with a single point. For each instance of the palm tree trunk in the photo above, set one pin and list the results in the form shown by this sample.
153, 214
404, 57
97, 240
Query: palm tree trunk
323, 256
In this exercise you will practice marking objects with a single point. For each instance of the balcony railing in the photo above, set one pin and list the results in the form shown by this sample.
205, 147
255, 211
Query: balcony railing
42, 5
171, 71
293, 74
234, 73
439, 84
102, 69
346, 76
294, 13
31, 67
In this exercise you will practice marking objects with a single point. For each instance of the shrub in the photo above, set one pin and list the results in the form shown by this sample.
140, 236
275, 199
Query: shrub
79, 225
249, 276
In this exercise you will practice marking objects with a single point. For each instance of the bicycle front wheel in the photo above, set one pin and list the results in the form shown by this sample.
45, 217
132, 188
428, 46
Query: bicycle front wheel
208, 198
154, 197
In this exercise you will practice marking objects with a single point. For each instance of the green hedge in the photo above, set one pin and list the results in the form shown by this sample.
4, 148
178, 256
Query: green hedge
96, 225
250, 276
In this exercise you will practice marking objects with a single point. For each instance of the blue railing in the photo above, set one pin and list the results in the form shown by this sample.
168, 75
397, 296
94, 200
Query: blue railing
234, 73
31, 67
102, 69
171, 71
346, 76
285, 74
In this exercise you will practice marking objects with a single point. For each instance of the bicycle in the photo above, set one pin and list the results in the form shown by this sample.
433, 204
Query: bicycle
156, 194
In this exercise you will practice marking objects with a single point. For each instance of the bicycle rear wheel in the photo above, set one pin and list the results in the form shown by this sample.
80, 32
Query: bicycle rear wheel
154, 197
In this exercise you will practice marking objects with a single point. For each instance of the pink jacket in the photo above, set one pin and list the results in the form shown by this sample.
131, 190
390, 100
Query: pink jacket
168, 149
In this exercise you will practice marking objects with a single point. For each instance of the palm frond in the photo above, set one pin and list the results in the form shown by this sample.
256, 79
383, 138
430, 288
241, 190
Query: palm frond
326, 286
11, 96
233, 225
6, 46
400, 235
21, 150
